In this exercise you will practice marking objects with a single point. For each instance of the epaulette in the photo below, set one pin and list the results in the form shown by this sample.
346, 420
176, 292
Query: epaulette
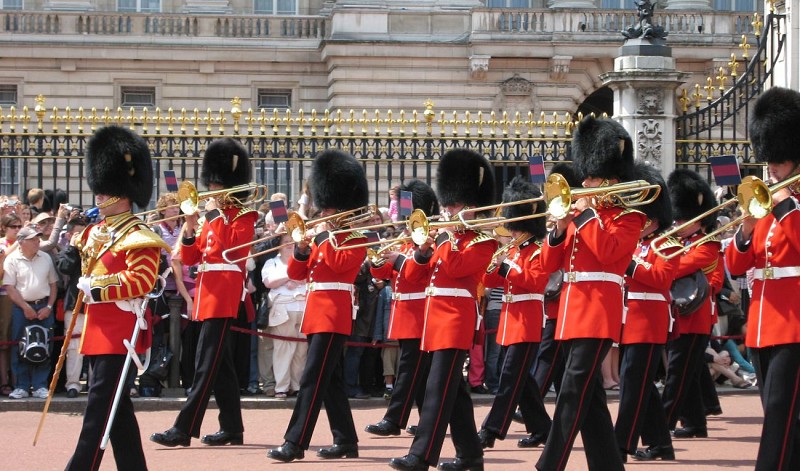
628, 211
642, 262
537, 251
141, 238
708, 239
711, 268
670, 242
242, 212
353, 235
482, 237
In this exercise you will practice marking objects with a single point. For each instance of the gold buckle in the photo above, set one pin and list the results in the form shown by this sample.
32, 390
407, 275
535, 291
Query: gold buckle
396, 296
509, 297
429, 291
310, 287
572, 277
769, 273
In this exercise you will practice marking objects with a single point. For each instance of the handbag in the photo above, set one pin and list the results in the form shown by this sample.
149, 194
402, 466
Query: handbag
689, 293
160, 367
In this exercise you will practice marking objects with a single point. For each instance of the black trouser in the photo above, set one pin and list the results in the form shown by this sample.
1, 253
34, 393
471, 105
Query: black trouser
446, 402
581, 406
517, 387
412, 373
778, 372
549, 366
214, 370
125, 437
682, 396
640, 410
322, 382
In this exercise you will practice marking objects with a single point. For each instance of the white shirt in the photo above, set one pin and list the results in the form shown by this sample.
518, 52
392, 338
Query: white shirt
294, 297
32, 278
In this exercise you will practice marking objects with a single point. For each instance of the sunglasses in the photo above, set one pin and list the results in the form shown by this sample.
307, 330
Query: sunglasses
16, 226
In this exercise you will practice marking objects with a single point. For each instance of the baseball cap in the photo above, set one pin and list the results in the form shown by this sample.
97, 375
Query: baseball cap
27, 233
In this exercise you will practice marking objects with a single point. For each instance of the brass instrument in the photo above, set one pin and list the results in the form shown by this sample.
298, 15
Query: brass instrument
505, 249
374, 256
560, 196
752, 195
497, 219
189, 198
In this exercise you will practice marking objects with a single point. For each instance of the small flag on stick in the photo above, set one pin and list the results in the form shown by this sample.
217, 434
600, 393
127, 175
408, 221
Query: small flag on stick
406, 205
372, 236
725, 169
278, 211
171, 180
536, 166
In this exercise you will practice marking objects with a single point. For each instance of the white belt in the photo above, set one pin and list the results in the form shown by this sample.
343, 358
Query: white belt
408, 296
647, 296
774, 273
516, 298
453, 292
332, 286
204, 267
576, 276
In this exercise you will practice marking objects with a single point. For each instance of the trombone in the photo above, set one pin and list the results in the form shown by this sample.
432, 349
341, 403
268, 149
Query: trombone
559, 195
189, 199
505, 249
752, 195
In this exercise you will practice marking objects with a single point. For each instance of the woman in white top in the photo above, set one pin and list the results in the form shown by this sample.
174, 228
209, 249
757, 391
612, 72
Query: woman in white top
288, 298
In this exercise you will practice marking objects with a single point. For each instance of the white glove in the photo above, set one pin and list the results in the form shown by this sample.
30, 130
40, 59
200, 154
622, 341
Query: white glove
85, 285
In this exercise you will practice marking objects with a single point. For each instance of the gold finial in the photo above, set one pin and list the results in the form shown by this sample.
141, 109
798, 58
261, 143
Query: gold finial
744, 46
685, 100
40, 110
757, 24
236, 112
429, 114
709, 88
733, 65
697, 96
721, 78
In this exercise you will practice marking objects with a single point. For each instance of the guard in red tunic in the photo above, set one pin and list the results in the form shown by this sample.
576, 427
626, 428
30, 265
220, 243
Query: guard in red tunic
648, 320
120, 173
593, 245
771, 246
464, 179
691, 196
218, 297
406, 320
338, 183
520, 273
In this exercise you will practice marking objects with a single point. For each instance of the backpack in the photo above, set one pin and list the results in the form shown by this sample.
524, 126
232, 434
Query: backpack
35, 344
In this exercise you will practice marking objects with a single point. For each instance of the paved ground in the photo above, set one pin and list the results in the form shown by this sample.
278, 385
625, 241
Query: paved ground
732, 444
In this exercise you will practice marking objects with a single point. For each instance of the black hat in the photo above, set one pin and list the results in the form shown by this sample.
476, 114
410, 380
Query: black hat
659, 210
226, 163
118, 164
338, 181
520, 188
568, 172
602, 148
422, 196
691, 196
464, 177
775, 126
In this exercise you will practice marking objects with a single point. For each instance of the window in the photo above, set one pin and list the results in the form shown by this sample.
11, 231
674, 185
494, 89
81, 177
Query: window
275, 7
735, 5
270, 99
508, 3
144, 6
8, 95
277, 176
618, 5
138, 97
12, 4
9, 173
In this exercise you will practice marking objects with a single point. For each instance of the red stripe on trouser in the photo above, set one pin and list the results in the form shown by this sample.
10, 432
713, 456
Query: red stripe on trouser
790, 419
522, 374
411, 396
439, 416
211, 374
574, 431
542, 390
641, 395
97, 450
681, 383
316, 389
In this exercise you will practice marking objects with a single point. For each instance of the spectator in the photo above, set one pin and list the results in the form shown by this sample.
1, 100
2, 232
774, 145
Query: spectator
389, 355
30, 280
720, 364
394, 205
288, 298
35, 199
10, 226
492, 351
24, 213
363, 325
305, 203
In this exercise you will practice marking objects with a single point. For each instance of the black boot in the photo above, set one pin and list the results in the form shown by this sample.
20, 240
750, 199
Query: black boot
487, 438
408, 463
345, 450
656, 452
172, 437
286, 452
690, 432
223, 438
384, 428
533, 441
463, 464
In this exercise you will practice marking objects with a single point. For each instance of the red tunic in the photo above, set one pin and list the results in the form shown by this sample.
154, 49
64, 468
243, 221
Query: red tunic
328, 310
457, 264
702, 257
125, 271
408, 296
647, 319
521, 274
598, 242
220, 286
774, 317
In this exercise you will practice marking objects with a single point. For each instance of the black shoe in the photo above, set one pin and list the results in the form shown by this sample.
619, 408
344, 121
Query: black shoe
408, 463
72, 393
463, 464
172, 437
411, 430
533, 441
487, 438
690, 432
518, 417
286, 452
347, 450
222, 438
384, 428
480, 389
656, 452
713, 411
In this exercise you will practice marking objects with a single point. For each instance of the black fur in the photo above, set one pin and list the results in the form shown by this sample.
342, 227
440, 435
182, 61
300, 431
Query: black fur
775, 126
338, 181
464, 177
596, 149
110, 173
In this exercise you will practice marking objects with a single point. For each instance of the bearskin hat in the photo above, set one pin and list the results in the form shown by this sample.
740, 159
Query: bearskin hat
691, 196
774, 125
602, 148
568, 172
118, 164
422, 196
659, 210
338, 181
226, 163
520, 188
464, 177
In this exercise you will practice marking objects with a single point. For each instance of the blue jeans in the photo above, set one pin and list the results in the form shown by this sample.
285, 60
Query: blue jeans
492, 351
736, 356
28, 375
352, 365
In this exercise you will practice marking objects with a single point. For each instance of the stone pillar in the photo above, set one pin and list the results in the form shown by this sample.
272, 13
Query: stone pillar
644, 81
688, 5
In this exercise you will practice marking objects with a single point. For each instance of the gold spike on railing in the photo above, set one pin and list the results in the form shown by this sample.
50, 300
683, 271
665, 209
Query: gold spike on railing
757, 24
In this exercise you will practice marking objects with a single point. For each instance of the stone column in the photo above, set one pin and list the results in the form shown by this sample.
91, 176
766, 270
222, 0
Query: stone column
644, 81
